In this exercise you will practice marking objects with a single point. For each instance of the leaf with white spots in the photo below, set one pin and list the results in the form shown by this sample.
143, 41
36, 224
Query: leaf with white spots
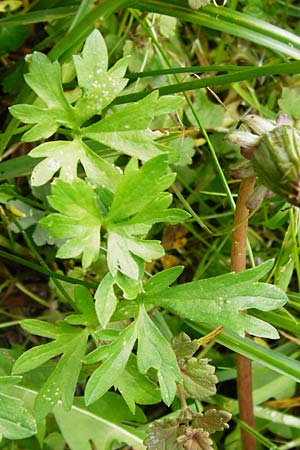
16, 422
64, 156
221, 300
70, 342
62, 382
127, 130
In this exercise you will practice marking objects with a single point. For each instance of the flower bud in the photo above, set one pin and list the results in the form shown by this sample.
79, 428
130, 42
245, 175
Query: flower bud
258, 124
276, 161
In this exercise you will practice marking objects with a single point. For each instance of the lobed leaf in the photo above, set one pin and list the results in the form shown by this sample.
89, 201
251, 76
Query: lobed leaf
222, 299
155, 351
105, 376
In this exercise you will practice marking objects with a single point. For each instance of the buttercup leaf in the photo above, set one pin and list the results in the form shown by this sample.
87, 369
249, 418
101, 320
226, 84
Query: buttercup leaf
79, 222
155, 351
221, 300
199, 380
211, 420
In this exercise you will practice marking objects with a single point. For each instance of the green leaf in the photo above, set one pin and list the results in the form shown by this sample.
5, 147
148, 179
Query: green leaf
127, 130
211, 115
275, 360
105, 376
155, 351
289, 102
64, 156
132, 214
183, 346
162, 280
135, 387
85, 307
16, 422
122, 249
71, 342
105, 300
62, 382
199, 381
79, 222
44, 78
150, 179
12, 38
221, 300
101, 423
41, 328
100, 87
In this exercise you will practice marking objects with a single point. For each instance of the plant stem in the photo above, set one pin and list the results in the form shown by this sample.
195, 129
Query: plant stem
238, 264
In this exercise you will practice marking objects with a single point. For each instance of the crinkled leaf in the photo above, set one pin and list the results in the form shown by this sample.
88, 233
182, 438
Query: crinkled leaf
154, 351
127, 130
221, 300
211, 420
105, 300
163, 436
64, 156
104, 377
16, 422
199, 380
195, 439
79, 222
135, 387
184, 346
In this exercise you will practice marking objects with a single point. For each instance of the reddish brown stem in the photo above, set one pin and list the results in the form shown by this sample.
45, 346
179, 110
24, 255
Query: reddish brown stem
238, 264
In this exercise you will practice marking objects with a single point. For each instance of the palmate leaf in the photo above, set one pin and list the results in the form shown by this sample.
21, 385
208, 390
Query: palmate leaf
64, 156
127, 216
80, 220
100, 86
105, 376
44, 78
127, 130
68, 341
221, 300
135, 387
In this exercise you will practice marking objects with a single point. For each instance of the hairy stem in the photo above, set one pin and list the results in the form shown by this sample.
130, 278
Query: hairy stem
238, 264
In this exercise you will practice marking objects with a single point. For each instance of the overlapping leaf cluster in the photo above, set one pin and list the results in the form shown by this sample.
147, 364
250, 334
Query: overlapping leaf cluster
96, 204
190, 430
